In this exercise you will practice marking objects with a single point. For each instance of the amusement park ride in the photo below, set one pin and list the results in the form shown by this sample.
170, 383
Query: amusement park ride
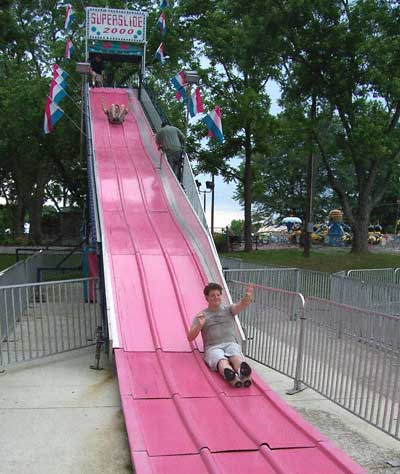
156, 257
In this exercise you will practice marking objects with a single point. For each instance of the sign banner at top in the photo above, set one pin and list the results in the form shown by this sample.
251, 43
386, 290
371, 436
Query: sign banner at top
115, 25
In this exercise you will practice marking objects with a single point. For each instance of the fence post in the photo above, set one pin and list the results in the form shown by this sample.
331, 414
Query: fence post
297, 285
297, 385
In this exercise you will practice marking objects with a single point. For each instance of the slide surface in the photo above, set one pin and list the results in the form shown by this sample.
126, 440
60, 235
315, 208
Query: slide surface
179, 416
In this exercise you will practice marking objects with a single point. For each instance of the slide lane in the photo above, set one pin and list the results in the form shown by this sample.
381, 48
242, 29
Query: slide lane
180, 417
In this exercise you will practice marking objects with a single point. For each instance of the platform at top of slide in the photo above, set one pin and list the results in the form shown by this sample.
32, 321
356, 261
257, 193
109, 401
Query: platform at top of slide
180, 417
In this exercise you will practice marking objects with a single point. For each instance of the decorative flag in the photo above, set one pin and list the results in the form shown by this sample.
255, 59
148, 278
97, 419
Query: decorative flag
52, 114
69, 49
214, 124
57, 92
179, 82
181, 95
69, 16
164, 4
59, 73
162, 24
160, 54
195, 103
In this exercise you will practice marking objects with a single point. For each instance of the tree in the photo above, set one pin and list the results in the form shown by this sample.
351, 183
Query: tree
280, 174
230, 34
346, 54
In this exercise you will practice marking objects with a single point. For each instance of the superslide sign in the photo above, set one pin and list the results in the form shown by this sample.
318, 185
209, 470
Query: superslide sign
115, 25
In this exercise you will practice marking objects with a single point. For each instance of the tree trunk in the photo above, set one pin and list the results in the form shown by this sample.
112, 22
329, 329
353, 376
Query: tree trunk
248, 247
360, 235
35, 214
18, 214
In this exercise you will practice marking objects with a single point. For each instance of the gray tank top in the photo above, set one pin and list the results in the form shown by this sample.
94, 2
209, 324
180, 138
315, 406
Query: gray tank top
219, 327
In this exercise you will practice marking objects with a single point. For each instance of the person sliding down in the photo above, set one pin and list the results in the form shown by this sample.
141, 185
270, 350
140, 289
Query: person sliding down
115, 113
217, 325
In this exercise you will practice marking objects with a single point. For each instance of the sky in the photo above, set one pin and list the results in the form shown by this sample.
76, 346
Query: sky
226, 208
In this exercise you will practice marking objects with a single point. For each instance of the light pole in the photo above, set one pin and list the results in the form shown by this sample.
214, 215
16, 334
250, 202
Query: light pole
192, 77
210, 188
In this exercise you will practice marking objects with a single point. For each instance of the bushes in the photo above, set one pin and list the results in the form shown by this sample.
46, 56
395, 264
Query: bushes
220, 242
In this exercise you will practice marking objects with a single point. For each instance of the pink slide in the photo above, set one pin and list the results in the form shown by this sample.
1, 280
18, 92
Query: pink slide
180, 417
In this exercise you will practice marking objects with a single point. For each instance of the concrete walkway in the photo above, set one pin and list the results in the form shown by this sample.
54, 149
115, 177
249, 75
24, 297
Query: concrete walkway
59, 416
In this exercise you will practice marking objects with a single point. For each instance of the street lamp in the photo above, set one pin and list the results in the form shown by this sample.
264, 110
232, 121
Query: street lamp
192, 78
209, 189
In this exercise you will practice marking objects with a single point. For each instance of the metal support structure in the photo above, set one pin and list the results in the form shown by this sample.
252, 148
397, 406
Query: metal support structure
310, 182
297, 385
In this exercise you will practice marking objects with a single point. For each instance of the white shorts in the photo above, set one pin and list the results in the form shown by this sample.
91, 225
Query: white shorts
214, 354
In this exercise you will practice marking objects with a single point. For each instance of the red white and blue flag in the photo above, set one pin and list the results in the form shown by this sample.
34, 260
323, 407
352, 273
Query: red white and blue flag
160, 54
179, 82
69, 16
162, 24
69, 49
59, 75
57, 92
52, 114
214, 124
164, 4
195, 103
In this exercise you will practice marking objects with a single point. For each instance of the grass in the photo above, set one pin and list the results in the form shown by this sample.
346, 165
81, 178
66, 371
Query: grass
325, 260
6, 260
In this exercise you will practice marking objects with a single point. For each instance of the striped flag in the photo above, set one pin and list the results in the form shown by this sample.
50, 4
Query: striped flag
69, 16
59, 74
214, 124
69, 49
164, 4
57, 92
162, 24
179, 82
160, 54
195, 103
52, 114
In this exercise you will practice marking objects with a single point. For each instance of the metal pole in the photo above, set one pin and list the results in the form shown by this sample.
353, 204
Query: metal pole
188, 93
310, 180
204, 201
212, 204
82, 111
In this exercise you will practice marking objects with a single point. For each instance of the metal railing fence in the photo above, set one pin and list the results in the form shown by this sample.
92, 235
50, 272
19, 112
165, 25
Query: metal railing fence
376, 275
154, 113
42, 319
375, 297
352, 357
349, 355
272, 326
291, 279
232, 263
192, 192
284, 279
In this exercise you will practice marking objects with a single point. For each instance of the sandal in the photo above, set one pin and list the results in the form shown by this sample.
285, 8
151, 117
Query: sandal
232, 377
245, 372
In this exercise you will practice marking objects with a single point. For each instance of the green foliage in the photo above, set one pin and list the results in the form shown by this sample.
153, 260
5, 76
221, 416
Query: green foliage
220, 242
237, 226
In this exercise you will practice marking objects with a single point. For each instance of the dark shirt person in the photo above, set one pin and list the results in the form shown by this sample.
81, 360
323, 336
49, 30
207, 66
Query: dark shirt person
170, 140
97, 70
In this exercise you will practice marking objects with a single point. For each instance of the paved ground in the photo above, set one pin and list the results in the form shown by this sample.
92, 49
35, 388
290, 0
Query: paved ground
58, 415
